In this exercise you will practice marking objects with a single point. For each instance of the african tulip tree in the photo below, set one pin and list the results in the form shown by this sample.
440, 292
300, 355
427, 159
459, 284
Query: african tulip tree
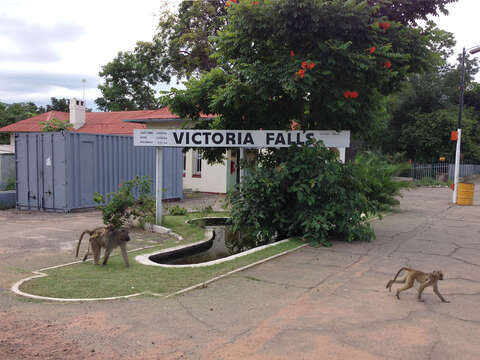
325, 64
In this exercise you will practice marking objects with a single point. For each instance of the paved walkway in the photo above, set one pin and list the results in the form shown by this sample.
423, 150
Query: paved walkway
312, 304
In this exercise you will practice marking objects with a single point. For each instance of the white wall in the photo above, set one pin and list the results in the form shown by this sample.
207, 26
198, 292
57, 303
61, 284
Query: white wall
213, 177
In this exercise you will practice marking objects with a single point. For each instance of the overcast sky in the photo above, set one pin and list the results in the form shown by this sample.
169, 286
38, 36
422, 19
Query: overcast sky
47, 47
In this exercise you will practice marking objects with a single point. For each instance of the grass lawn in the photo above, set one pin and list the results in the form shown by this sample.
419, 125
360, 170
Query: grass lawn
86, 280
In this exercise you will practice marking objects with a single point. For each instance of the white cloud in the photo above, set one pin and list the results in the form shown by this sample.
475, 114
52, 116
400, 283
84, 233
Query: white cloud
60, 42
47, 47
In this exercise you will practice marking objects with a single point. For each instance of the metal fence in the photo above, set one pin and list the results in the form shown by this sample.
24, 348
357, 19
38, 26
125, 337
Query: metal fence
62, 171
442, 171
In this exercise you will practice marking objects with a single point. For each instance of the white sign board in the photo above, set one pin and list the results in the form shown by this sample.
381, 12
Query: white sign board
237, 138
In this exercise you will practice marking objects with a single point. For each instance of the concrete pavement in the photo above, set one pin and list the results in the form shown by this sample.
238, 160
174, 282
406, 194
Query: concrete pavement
316, 303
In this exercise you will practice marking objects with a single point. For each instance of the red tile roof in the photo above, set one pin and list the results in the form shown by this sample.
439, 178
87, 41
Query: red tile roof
97, 122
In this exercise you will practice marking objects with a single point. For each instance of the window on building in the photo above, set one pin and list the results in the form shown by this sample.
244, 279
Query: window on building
197, 164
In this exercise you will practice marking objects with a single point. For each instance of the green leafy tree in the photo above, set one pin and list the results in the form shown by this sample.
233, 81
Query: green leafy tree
179, 49
324, 64
427, 137
185, 36
410, 11
426, 110
58, 105
11, 113
130, 79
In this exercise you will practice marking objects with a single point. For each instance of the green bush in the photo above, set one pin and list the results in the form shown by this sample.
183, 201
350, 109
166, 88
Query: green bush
55, 125
123, 205
305, 191
377, 176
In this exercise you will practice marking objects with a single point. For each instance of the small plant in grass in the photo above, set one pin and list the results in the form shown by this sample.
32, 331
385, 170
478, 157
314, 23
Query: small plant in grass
123, 205
177, 210
430, 182
204, 210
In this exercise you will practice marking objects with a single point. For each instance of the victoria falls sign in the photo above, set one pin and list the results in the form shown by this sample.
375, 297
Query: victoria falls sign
237, 138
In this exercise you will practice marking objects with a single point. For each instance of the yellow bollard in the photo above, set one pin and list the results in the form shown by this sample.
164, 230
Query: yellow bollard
465, 194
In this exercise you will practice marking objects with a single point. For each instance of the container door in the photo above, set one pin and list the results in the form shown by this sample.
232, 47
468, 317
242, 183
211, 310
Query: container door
47, 171
87, 170
34, 200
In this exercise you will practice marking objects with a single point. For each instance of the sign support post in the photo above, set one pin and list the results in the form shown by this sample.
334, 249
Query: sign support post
159, 187
242, 169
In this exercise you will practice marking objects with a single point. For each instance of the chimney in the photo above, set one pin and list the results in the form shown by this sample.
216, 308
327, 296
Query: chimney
77, 113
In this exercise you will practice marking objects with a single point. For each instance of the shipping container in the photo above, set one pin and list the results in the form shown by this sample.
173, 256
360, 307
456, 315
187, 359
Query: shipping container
61, 171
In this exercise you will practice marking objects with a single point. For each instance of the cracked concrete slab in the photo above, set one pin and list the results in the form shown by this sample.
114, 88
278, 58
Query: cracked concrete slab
328, 303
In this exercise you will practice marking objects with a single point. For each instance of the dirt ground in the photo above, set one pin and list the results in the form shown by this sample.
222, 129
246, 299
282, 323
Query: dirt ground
316, 303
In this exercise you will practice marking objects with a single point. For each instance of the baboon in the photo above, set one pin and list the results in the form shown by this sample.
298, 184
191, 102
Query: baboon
114, 238
424, 279
95, 243
108, 239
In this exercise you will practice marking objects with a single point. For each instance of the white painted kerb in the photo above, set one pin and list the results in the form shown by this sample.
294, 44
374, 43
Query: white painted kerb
144, 259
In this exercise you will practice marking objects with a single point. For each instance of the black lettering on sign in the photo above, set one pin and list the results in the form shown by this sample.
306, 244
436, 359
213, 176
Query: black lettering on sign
217, 138
299, 141
280, 139
207, 135
289, 139
248, 139
269, 137
310, 136
178, 137
194, 138
230, 139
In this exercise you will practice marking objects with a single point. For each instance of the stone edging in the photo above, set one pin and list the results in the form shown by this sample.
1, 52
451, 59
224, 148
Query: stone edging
40, 273
144, 259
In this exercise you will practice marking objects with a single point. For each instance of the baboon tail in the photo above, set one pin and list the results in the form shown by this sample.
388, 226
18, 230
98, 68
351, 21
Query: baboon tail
80, 240
399, 271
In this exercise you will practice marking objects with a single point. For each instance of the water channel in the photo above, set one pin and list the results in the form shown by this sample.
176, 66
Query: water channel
211, 249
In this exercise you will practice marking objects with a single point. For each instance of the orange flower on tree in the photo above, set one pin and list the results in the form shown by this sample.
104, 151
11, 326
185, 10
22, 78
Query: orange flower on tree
311, 65
300, 73
255, 3
304, 65
384, 26
294, 125
292, 54
350, 94
372, 50
387, 64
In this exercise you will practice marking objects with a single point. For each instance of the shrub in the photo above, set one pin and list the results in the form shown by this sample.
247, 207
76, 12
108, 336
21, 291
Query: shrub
177, 210
55, 125
376, 174
305, 191
123, 206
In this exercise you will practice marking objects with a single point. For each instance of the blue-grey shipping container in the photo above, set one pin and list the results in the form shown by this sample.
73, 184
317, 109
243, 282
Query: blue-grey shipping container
61, 171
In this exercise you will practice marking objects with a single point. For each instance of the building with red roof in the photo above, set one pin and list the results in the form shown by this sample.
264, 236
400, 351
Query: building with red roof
97, 122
